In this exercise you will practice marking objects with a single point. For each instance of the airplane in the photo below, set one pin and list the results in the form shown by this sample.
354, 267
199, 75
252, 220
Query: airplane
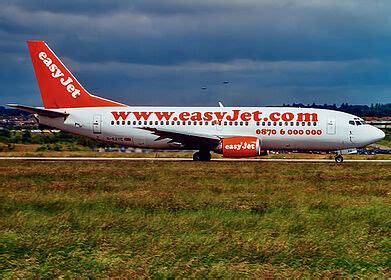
230, 131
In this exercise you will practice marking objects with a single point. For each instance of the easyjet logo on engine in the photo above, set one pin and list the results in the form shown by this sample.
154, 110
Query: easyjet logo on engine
240, 146
67, 82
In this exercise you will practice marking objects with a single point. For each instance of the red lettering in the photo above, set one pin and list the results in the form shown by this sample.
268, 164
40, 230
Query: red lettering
143, 115
208, 116
234, 116
257, 116
246, 116
165, 115
220, 115
275, 117
196, 116
286, 117
184, 116
122, 115
307, 117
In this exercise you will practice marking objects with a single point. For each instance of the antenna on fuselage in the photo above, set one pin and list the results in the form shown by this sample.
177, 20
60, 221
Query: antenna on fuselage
221, 105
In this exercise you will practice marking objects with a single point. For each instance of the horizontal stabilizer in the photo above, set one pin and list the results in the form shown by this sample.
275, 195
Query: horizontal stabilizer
39, 111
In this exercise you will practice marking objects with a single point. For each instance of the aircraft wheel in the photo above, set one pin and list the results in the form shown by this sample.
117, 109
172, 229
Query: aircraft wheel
196, 156
338, 159
202, 156
205, 156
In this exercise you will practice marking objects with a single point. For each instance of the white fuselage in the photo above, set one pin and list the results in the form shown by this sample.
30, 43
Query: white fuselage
278, 128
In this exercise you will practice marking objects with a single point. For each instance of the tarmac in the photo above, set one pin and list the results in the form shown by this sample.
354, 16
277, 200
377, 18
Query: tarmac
190, 159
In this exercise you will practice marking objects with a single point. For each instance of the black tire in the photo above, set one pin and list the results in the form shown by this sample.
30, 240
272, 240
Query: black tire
338, 159
202, 156
196, 156
205, 156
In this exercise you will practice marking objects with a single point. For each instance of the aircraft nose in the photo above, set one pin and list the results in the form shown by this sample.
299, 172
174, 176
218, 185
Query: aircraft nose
377, 134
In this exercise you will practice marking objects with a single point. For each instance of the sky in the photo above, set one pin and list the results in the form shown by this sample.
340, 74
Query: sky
180, 52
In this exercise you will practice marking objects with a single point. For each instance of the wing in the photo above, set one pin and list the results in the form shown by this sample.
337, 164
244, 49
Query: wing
189, 141
39, 111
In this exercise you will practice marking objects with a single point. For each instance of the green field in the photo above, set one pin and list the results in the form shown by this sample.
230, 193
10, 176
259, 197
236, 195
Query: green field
194, 219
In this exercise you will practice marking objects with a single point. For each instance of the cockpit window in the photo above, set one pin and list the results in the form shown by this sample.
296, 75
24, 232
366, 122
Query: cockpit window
351, 122
358, 123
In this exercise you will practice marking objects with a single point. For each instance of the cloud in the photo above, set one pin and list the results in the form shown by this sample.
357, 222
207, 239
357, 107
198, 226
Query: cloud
174, 47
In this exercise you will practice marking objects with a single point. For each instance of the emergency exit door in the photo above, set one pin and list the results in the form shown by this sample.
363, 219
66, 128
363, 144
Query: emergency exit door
331, 126
97, 124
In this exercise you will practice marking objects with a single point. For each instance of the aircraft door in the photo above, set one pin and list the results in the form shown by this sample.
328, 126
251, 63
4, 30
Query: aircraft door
97, 124
331, 128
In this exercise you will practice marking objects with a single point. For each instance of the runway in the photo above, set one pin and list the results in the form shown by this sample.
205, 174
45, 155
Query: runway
190, 159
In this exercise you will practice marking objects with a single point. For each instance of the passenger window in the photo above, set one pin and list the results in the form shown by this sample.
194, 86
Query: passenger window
128, 122
145, 122
161, 122
200, 123
297, 123
150, 122
139, 122
178, 123
263, 123
241, 123
134, 122
183, 123
286, 123
292, 123
206, 123
156, 123
258, 123
274, 123
303, 124
315, 123
309, 123
269, 123
246, 123
112, 122
280, 123
123, 122
118, 122
172, 123
236, 123
189, 122
167, 122
225, 123
230, 123
195, 123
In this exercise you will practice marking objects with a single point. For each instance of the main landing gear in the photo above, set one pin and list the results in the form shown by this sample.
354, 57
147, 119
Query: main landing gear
338, 158
202, 156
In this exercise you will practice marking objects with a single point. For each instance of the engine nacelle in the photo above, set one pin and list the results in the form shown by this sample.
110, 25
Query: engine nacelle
239, 146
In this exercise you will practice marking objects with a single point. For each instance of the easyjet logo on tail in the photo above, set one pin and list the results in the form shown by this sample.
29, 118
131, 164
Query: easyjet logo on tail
67, 82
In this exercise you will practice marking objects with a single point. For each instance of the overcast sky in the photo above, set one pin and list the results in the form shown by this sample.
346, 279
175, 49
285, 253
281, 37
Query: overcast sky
163, 52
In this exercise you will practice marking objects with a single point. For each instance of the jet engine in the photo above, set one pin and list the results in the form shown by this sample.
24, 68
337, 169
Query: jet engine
239, 146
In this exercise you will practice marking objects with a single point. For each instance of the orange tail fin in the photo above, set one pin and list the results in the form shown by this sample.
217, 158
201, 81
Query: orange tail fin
58, 87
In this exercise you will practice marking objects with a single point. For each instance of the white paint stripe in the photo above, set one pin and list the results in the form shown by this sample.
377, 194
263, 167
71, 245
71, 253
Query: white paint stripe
189, 159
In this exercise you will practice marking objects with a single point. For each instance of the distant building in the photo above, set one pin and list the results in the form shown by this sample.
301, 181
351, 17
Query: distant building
379, 122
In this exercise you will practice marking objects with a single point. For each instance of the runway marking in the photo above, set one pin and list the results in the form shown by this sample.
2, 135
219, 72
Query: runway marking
189, 159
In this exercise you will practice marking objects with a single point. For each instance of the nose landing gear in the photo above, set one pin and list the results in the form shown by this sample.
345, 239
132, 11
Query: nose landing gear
202, 156
338, 158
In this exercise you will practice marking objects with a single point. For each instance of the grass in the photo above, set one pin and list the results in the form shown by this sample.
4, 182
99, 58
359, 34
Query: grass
192, 219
